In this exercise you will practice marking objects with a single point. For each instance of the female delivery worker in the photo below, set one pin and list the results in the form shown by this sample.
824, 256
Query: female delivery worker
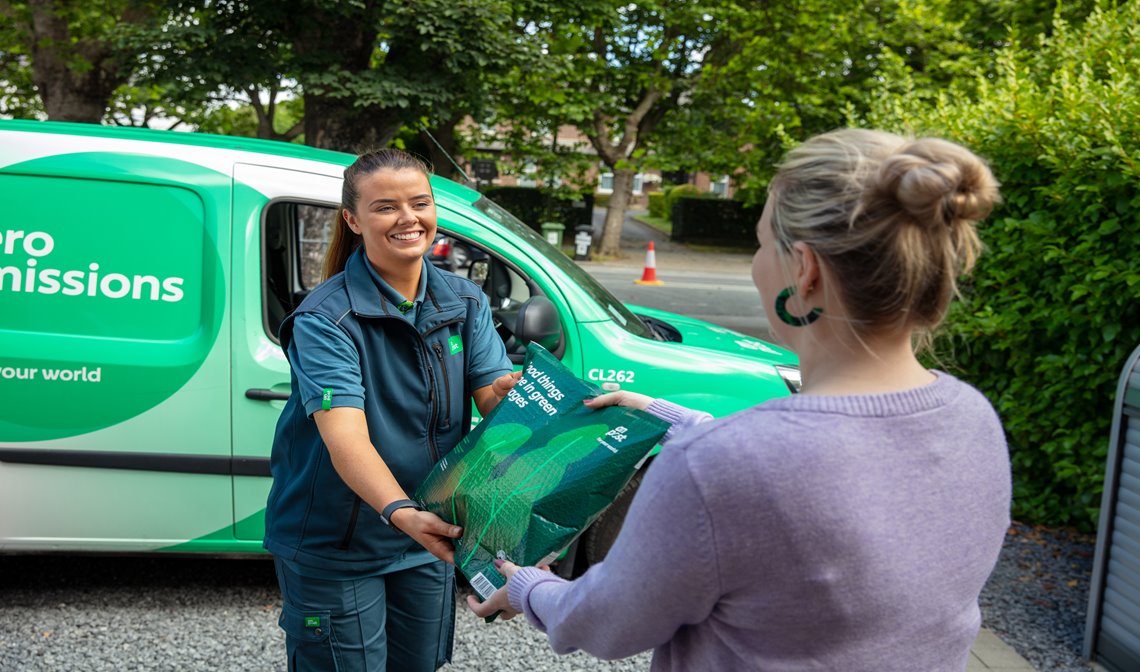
852, 526
386, 357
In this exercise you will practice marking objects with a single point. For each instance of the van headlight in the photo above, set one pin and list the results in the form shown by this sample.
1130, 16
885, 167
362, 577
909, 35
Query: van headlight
791, 376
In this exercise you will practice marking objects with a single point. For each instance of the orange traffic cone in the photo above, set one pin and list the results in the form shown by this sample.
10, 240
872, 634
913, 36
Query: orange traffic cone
649, 275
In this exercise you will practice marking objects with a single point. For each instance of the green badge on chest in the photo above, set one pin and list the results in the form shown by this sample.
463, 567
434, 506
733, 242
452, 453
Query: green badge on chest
455, 343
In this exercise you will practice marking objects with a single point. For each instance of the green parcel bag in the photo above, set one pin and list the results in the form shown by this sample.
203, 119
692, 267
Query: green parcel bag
536, 471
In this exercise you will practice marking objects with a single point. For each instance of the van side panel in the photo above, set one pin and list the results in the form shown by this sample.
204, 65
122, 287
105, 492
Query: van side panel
114, 345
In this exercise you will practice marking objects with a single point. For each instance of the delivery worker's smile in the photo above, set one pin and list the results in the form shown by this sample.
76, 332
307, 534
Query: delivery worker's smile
396, 217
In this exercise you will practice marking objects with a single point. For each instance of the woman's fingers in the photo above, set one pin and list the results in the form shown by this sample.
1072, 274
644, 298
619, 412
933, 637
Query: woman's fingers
620, 398
439, 548
431, 531
506, 568
496, 604
425, 522
444, 528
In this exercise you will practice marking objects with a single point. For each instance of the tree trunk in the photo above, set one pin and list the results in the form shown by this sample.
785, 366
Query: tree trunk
267, 115
634, 127
615, 212
441, 159
70, 93
338, 38
337, 123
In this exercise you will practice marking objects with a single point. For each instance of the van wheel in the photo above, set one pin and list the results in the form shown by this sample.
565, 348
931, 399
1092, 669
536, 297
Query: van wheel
602, 534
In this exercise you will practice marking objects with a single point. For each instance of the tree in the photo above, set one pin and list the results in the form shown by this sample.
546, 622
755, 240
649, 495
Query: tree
216, 66
1048, 318
790, 69
363, 69
75, 51
614, 70
18, 97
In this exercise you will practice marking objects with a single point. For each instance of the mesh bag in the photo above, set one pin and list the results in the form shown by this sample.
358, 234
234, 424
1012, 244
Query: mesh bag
536, 471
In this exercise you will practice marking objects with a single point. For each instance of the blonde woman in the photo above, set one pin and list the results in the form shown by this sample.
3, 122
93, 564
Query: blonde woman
849, 527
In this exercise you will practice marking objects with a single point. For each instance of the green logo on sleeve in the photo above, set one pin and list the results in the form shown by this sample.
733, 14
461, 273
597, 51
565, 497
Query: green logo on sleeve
456, 344
326, 399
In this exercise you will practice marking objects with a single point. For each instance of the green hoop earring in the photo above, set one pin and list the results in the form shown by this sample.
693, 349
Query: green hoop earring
794, 320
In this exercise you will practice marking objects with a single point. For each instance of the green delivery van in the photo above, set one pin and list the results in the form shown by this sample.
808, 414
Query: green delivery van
142, 277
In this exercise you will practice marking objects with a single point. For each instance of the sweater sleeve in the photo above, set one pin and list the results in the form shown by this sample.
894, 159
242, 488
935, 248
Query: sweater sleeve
679, 417
660, 575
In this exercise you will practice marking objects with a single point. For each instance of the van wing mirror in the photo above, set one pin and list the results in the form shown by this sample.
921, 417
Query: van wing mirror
478, 270
538, 321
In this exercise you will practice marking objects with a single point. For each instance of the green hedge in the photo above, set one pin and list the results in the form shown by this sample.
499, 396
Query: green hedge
715, 221
1053, 309
657, 204
535, 206
678, 192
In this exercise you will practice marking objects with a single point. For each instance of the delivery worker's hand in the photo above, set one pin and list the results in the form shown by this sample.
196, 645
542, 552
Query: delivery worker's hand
621, 398
498, 602
488, 396
431, 531
503, 384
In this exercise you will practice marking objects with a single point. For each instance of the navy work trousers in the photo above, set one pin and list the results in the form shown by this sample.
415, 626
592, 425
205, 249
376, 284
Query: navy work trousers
403, 621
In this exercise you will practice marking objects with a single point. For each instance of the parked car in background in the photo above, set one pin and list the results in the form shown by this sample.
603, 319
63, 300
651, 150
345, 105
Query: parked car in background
453, 255
140, 373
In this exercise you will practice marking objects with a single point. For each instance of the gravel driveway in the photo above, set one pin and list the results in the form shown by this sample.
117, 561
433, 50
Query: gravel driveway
186, 614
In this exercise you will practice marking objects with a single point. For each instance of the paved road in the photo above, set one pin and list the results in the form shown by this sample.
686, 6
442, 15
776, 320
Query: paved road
727, 299
712, 286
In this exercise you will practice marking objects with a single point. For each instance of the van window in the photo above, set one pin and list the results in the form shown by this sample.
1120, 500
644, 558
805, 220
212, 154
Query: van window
621, 314
296, 236
315, 227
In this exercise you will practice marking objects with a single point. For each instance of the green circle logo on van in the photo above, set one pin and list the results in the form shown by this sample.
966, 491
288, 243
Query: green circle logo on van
111, 287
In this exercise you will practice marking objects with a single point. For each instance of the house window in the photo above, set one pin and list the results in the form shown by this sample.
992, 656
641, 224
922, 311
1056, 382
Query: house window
720, 187
526, 177
606, 183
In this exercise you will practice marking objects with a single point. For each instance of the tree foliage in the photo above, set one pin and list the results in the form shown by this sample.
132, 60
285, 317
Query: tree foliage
614, 70
368, 68
74, 54
1051, 312
790, 69
212, 65
363, 69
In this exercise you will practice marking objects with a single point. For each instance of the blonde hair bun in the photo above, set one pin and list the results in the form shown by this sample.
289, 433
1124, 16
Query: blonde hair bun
892, 218
937, 183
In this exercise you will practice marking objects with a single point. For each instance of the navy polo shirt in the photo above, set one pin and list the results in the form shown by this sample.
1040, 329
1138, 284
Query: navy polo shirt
311, 522
323, 357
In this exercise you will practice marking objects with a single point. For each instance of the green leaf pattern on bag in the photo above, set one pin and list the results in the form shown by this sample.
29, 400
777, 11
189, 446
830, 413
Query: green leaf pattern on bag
505, 522
536, 471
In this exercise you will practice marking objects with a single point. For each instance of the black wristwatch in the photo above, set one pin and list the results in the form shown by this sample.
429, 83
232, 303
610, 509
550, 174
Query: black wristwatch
386, 514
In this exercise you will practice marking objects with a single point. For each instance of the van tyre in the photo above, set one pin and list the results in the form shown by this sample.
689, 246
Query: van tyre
602, 534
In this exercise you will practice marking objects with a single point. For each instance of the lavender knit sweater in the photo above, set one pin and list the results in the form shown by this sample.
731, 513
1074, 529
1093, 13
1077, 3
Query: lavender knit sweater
806, 533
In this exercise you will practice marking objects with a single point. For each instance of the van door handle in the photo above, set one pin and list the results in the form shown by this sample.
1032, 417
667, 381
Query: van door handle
262, 394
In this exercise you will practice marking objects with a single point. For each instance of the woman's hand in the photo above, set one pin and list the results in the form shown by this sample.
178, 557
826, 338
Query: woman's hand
429, 530
498, 602
622, 398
